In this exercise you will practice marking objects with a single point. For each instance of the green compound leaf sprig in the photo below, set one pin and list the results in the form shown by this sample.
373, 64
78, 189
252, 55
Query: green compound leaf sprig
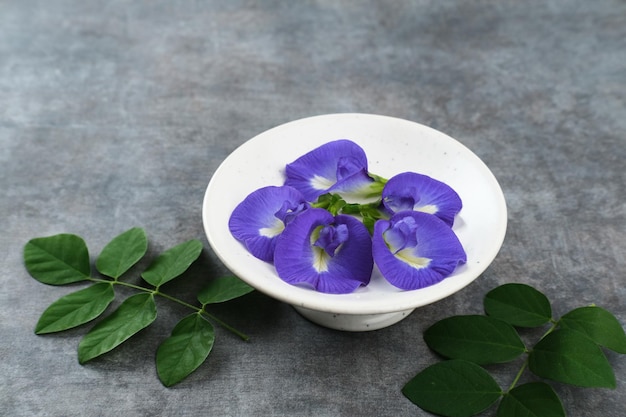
570, 352
64, 259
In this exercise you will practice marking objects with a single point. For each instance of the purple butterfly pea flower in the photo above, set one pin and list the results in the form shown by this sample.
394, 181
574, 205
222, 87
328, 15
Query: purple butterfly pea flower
336, 167
412, 191
414, 249
331, 254
262, 216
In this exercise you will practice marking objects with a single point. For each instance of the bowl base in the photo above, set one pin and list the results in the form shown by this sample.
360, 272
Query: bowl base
353, 322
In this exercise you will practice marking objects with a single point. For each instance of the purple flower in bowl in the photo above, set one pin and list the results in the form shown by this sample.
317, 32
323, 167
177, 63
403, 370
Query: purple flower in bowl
414, 249
338, 167
262, 216
331, 254
413, 191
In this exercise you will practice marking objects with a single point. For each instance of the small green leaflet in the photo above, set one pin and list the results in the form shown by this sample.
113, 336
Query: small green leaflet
185, 350
122, 252
518, 304
534, 399
480, 339
172, 263
134, 314
570, 357
454, 388
57, 260
75, 309
599, 325
223, 289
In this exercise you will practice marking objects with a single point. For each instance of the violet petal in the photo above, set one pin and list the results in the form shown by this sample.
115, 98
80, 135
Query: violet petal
261, 217
300, 261
341, 164
331, 237
415, 257
412, 191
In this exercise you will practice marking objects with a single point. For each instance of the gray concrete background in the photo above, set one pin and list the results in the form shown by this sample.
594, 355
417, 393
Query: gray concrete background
116, 114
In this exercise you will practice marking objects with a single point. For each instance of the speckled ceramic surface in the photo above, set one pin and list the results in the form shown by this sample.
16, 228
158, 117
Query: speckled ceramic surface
393, 146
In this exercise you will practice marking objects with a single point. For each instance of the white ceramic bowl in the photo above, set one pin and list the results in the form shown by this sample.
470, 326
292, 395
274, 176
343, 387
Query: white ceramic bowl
392, 146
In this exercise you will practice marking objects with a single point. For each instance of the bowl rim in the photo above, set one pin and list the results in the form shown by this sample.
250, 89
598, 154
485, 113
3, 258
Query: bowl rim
258, 274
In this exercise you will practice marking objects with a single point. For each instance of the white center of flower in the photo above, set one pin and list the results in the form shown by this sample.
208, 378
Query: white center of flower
321, 183
416, 262
429, 208
320, 259
274, 230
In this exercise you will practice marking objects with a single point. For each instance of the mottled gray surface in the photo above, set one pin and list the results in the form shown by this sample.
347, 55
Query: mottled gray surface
116, 114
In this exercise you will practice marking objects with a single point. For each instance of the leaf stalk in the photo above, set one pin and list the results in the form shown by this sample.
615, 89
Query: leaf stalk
199, 310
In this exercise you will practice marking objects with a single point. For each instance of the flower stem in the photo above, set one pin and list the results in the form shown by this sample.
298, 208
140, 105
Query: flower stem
199, 310
518, 376
228, 327
555, 323
176, 300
